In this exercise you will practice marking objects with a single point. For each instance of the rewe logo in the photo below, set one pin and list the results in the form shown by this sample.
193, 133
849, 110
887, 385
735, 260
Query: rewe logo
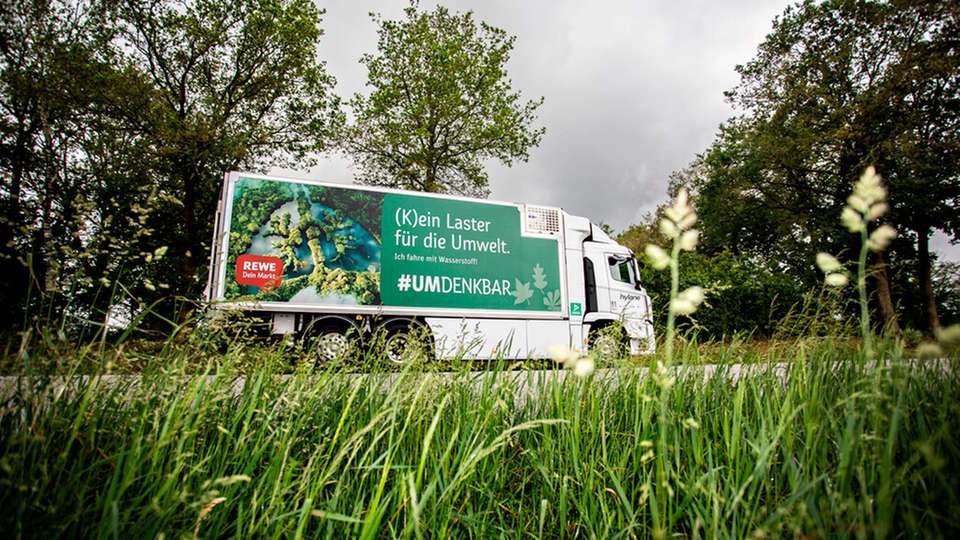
257, 271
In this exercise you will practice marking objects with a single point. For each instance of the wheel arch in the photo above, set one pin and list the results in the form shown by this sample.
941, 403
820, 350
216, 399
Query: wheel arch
344, 323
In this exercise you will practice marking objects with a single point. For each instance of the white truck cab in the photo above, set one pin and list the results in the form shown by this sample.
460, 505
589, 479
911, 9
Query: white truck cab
611, 287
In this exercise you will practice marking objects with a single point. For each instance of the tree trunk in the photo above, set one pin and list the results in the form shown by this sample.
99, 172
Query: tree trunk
925, 279
430, 183
13, 285
882, 282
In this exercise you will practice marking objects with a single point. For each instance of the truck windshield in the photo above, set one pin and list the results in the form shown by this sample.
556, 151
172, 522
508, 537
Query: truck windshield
623, 271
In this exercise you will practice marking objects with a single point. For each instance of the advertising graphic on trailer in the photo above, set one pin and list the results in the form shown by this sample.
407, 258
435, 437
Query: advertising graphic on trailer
303, 243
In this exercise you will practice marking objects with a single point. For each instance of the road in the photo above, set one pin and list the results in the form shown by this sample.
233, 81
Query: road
525, 383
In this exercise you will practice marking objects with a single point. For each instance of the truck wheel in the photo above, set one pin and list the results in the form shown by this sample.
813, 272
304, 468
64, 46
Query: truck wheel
331, 346
609, 341
333, 343
407, 342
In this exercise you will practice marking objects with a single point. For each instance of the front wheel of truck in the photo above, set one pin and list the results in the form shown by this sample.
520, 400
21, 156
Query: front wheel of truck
609, 341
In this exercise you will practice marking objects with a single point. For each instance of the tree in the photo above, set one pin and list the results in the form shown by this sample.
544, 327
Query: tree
119, 118
744, 295
835, 87
238, 86
946, 282
49, 60
440, 104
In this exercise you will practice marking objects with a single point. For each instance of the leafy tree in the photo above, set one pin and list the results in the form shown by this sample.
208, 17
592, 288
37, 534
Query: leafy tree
835, 87
440, 104
946, 283
51, 72
238, 86
118, 119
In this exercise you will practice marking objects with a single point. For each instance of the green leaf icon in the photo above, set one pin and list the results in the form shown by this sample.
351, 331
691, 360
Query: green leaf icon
539, 278
522, 292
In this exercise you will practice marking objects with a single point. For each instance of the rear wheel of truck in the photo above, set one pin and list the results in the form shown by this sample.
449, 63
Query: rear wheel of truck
332, 342
332, 346
407, 342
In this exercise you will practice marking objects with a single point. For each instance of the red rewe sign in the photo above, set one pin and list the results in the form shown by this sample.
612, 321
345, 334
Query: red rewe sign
263, 272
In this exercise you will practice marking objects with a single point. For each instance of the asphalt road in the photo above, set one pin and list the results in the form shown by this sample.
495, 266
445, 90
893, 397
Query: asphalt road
524, 383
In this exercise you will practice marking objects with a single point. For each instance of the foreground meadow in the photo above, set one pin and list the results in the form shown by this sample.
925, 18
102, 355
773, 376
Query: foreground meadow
833, 447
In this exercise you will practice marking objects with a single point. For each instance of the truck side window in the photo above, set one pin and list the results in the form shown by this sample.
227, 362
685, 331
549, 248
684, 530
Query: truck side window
623, 271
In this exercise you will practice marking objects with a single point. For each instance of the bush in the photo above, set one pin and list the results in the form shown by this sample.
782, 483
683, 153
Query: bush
741, 296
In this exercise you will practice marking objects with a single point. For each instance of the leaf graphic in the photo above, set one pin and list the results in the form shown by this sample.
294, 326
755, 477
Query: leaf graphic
539, 278
522, 292
552, 299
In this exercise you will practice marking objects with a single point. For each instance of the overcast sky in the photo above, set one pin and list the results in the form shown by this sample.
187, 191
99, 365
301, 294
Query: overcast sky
633, 90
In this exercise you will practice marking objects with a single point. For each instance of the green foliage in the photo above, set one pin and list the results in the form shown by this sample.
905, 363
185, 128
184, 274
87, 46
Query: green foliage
73, 203
744, 295
946, 283
440, 105
835, 87
822, 447
238, 86
741, 297
119, 120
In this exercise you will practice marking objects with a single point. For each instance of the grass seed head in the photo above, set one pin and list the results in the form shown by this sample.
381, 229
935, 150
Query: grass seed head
880, 238
929, 349
565, 356
949, 336
583, 367
836, 279
657, 256
851, 219
869, 187
688, 240
669, 228
828, 263
687, 301
858, 204
877, 210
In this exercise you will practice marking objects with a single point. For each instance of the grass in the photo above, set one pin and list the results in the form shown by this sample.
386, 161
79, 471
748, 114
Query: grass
824, 437
835, 450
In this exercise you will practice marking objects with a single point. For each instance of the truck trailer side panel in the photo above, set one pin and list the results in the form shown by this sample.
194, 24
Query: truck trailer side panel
300, 246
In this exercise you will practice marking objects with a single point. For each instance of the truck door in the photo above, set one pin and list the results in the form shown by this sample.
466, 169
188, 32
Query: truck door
615, 283
626, 297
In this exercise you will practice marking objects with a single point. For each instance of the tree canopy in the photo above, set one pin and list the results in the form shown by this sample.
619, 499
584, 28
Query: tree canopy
440, 104
119, 119
835, 87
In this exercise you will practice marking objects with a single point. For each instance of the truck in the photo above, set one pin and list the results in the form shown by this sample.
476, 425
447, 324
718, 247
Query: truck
338, 264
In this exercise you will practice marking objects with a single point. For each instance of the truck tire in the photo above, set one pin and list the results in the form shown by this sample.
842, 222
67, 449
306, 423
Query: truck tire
332, 342
407, 341
608, 341
331, 346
